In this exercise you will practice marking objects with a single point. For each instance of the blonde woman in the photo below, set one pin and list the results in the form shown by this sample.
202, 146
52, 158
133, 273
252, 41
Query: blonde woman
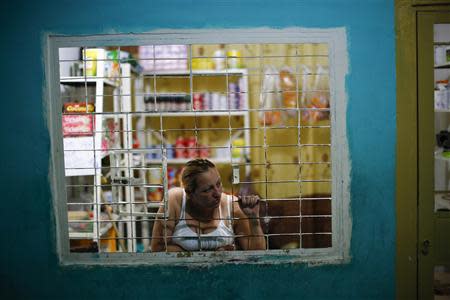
202, 217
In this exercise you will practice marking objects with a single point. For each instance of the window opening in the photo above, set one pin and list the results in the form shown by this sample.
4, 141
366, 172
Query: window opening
263, 113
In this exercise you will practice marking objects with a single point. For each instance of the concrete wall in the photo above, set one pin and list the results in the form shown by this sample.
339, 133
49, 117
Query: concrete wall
28, 262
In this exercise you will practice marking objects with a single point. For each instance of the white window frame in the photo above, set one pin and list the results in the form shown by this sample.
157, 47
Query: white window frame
336, 40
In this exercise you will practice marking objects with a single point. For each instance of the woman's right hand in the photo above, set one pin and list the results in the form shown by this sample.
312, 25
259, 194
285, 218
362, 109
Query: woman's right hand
249, 205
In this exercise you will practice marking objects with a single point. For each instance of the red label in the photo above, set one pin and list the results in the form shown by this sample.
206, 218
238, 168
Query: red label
77, 125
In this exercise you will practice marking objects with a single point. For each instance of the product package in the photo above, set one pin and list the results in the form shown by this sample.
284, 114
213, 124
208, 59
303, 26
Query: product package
163, 57
77, 120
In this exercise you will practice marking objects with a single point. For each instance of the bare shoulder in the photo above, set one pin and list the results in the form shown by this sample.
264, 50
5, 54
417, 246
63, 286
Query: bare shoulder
175, 197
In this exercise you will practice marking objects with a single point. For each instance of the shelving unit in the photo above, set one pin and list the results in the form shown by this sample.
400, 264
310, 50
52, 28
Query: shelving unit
443, 66
238, 111
155, 138
187, 72
442, 122
84, 154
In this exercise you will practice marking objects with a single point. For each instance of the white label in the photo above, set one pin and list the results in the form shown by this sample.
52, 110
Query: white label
235, 174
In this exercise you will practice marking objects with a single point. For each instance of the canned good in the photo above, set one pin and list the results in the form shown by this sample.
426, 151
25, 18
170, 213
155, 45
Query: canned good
204, 151
192, 148
180, 148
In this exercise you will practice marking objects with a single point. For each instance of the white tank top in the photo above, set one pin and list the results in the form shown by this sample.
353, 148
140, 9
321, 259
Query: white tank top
189, 240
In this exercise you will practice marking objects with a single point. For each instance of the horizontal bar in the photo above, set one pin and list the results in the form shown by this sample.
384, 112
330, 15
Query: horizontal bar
147, 214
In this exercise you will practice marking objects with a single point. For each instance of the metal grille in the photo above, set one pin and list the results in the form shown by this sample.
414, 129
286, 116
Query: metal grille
133, 116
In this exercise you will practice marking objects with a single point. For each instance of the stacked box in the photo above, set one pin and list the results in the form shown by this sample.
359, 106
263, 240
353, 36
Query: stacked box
163, 57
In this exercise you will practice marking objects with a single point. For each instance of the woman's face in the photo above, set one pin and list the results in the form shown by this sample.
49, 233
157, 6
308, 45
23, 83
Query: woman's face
209, 189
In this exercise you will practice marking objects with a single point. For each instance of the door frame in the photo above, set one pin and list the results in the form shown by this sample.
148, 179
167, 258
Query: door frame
427, 218
406, 12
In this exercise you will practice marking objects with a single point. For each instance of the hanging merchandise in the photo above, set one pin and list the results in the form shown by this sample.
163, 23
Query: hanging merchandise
269, 98
317, 100
305, 73
288, 88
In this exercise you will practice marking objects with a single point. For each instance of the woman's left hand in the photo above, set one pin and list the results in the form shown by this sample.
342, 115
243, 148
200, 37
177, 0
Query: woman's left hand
249, 205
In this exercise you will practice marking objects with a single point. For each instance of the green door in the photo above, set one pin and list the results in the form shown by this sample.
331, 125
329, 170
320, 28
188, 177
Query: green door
434, 154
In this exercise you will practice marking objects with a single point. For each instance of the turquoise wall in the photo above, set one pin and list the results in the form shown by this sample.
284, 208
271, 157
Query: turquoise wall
28, 262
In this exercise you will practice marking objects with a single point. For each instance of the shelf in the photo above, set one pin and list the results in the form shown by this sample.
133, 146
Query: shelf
89, 234
443, 66
195, 114
442, 202
87, 80
197, 72
442, 110
180, 161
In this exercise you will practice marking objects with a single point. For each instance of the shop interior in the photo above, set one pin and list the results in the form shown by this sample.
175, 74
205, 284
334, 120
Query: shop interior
441, 74
132, 116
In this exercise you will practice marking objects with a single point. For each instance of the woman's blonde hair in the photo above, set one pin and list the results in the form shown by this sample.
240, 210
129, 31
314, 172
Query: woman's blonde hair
192, 169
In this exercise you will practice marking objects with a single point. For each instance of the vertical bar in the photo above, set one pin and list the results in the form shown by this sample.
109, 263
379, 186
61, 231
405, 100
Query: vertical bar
125, 108
99, 94
261, 57
299, 149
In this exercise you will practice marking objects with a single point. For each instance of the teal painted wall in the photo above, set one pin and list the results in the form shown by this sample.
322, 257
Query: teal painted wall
28, 261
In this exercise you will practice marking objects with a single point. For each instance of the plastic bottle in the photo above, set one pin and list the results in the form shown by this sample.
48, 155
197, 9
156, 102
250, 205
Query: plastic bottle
219, 58
201, 62
198, 101
234, 59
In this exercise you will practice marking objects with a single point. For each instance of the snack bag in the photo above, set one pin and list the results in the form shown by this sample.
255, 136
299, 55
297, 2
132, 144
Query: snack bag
288, 88
316, 98
269, 98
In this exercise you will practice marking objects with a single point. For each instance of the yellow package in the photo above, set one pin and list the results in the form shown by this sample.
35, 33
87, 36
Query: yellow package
90, 58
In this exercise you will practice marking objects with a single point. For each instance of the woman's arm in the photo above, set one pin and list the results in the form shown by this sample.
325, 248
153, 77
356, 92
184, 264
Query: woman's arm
248, 226
163, 229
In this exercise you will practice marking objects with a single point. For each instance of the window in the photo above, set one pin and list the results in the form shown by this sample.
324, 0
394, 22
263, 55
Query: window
266, 107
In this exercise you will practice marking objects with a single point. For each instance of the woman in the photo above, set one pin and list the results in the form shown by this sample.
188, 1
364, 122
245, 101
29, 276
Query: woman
202, 217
